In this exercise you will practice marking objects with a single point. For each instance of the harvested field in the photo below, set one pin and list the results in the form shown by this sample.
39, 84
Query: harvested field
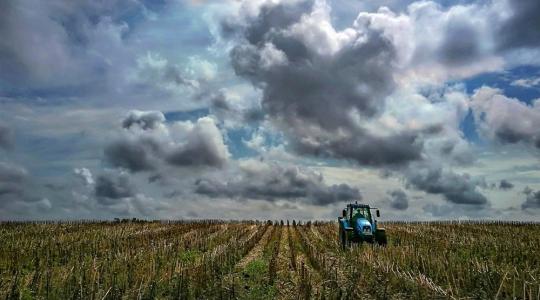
266, 260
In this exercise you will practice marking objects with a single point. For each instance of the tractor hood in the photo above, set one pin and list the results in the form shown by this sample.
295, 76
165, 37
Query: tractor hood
362, 226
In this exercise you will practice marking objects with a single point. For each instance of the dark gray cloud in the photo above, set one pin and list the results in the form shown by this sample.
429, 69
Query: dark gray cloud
65, 48
459, 39
232, 115
364, 149
398, 199
219, 104
143, 119
200, 145
275, 17
17, 186
488, 105
274, 182
221, 107
11, 173
110, 187
12, 180
532, 201
254, 115
505, 185
136, 155
461, 43
521, 29
140, 152
318, 89
507, 134
271, 17
198, 151
335, 193
458, 189
6, 137
468, 32
316, 93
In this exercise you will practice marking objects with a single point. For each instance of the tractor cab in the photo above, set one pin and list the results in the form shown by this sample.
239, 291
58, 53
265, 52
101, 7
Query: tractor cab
357, 225
360, 212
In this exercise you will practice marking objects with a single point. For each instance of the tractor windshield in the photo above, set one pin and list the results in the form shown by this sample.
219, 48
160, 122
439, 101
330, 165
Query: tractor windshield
361, 213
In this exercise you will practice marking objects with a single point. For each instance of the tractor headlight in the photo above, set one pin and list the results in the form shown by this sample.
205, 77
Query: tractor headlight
367, 229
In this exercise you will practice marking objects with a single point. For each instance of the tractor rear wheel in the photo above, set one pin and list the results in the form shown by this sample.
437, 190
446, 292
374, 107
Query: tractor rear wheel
343, 238
381, 238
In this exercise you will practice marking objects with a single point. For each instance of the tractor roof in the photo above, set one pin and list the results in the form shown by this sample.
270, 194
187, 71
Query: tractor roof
356, 205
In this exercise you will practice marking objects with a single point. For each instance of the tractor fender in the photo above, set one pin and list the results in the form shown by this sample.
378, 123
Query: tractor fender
344, 225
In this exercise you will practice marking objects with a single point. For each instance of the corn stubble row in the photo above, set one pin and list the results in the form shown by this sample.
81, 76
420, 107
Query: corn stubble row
200, 260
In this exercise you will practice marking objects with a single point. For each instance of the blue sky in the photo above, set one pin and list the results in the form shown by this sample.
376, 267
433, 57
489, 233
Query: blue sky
269, 109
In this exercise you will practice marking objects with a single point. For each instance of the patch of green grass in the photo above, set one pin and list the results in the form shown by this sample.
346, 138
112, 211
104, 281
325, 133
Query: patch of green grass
256, 268
190, 256
255, 281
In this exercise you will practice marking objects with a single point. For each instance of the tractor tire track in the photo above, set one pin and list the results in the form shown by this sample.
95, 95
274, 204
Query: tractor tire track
228, 285
241, 280
326, 262
276, 247
286, 283
256, 251
231, 253
334, 266
308, 278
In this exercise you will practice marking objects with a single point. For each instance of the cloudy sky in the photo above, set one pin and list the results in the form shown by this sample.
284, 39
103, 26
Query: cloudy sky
270, 109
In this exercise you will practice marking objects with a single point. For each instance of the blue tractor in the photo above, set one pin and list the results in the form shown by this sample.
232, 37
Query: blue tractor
357, 225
